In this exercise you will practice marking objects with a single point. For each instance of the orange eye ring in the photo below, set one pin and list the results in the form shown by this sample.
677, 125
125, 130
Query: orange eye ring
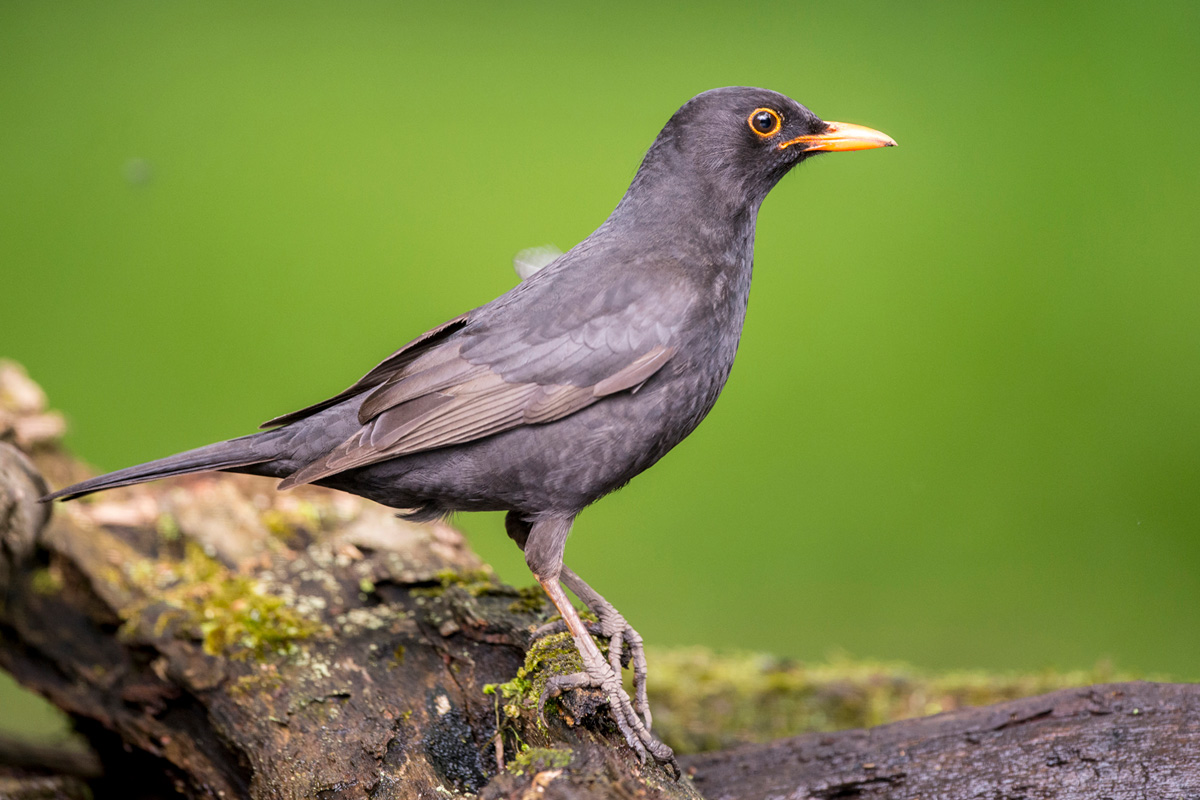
765, 122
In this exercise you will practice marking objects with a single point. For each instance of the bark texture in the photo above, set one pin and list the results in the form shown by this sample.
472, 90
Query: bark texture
251, 644
211, 637
1117, 741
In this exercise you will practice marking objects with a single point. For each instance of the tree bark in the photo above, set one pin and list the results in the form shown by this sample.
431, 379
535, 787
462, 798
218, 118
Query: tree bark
1122, 740
211, 637
247, 643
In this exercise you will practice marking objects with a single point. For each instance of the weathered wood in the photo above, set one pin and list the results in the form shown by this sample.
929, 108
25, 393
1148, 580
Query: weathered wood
21, 516
365, 679
218, 638
1116, 741
212, 637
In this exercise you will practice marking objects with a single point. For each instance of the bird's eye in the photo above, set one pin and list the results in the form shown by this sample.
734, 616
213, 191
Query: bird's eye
765, 122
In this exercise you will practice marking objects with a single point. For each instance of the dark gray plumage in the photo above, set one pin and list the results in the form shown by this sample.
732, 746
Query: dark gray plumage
566, 387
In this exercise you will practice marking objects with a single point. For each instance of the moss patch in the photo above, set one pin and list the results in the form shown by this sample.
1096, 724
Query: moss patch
230, 613
530, 600
168, 527
476, 582
532, 760
286, 522
704, 701
549, 656
47, 581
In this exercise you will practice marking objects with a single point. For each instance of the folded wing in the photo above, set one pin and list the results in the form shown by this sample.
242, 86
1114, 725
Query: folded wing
441, 398
551, 346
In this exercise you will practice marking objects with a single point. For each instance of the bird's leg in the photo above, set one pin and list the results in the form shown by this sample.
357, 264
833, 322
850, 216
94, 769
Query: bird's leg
611, 626
619, 633
543, 553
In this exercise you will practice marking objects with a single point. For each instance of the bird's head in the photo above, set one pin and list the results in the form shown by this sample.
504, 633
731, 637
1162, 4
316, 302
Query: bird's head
740, 141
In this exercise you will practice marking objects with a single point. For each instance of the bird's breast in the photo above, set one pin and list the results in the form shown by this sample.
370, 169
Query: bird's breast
693, 380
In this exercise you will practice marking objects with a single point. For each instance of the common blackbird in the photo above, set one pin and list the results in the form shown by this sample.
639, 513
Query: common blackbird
561, 390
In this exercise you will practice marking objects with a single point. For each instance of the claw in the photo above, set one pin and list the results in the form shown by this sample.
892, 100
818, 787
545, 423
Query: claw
549, 692
558, 684
549, 629
624, 647
636, 735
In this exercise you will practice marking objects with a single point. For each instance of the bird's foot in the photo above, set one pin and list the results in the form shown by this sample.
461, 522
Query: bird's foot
600, 672
602, 676
625, 648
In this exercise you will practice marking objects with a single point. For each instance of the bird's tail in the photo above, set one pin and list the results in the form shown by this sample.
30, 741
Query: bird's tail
242, 452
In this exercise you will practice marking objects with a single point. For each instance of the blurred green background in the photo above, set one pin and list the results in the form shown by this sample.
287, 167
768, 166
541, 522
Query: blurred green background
964, 426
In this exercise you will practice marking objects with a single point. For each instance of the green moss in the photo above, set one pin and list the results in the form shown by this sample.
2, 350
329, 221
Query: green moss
285, 523
257, 683
530, 600
549, 656
278, 524
228, 612
167, 527
46, 581
476, 582
461, 588
704, 701
532, 760
452, 577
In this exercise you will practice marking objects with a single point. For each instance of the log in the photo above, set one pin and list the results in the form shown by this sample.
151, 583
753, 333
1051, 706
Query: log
1117, 741
212, 637
252, 644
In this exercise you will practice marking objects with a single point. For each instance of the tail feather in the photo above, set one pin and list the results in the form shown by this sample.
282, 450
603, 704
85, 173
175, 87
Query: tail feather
234, 453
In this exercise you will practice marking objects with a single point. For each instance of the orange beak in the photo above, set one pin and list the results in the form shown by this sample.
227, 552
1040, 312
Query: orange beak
843, 136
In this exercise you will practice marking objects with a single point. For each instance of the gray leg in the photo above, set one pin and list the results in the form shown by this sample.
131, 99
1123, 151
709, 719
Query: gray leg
619, 633
612, 625
544, 544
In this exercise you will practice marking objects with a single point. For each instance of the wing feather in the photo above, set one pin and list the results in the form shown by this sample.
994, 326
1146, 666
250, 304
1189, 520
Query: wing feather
554, 402
637, 373
391, 365
554, 345
440, 370
481, 404
395, 423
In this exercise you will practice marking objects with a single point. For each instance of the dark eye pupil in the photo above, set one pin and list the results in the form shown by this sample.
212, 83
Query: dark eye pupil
763, 121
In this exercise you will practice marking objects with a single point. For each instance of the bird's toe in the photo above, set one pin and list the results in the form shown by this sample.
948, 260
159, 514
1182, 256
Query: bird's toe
629, 719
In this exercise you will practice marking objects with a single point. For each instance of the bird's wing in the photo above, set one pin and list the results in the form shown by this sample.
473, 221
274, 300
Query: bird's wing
508, 367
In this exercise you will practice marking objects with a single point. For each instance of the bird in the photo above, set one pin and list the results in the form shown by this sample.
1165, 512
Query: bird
564, 388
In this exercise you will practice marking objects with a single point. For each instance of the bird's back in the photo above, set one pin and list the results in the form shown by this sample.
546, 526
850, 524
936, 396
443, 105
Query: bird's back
571, 325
